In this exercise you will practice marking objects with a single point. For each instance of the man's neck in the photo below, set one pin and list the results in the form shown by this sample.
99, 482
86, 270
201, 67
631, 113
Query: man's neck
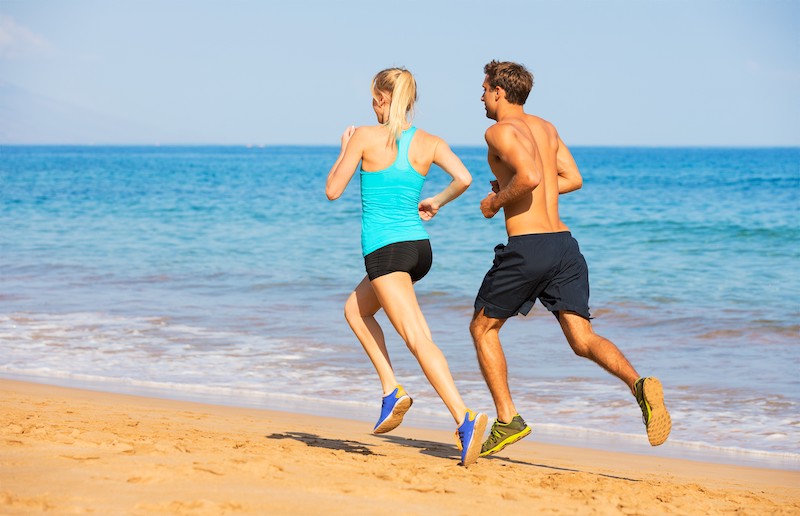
507, 110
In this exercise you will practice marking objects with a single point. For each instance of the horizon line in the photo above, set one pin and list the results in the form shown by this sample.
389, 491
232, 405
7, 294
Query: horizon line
314, 145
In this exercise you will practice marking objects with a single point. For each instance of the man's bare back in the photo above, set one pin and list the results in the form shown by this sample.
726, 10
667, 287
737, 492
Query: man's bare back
532, 166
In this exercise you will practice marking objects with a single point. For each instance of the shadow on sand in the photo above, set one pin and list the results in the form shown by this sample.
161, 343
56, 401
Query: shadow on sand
321, 442
445, 451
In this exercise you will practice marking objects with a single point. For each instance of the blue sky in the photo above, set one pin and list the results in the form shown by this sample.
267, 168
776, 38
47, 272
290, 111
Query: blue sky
654, 73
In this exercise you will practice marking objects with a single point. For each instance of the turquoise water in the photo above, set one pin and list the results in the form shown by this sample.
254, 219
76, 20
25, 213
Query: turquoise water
219, 273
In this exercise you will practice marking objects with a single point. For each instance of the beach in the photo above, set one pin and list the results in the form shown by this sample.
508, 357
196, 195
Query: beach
143, 275
67, 451
181, 272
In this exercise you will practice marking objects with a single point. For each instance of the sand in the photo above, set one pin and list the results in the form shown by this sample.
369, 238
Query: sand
68, 451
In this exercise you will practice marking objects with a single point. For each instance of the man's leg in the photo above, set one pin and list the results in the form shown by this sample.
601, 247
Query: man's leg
648, 391
509, 427
586, 343
485, 334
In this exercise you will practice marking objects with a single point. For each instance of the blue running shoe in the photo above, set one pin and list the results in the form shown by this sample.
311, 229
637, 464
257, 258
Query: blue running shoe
393, 408
470, 436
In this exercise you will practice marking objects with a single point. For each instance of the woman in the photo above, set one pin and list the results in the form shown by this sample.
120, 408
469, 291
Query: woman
395, 157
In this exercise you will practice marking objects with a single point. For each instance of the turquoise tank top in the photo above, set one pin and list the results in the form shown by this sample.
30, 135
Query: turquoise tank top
390, 201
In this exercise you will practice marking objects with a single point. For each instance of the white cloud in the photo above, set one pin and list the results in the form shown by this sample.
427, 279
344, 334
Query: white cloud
17, 42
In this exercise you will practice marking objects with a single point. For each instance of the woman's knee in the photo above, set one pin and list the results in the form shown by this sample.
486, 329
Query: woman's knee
352, 312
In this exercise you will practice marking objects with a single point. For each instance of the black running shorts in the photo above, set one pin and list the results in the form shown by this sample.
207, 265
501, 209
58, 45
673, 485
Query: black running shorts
547, 266
414, 257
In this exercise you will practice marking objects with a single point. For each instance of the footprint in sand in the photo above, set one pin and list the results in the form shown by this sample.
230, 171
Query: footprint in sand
79, 458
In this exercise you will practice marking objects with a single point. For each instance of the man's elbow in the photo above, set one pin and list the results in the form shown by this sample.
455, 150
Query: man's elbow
532, 180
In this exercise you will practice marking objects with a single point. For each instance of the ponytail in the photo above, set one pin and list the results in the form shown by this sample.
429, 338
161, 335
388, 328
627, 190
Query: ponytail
401, 86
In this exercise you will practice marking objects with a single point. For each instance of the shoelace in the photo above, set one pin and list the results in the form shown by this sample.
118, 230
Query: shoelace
384, 401
495, 435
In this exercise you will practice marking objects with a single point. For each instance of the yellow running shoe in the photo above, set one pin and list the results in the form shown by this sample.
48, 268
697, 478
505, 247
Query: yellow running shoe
650, 395
503, 434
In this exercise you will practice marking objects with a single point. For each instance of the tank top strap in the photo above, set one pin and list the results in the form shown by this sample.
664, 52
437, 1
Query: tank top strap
401, 162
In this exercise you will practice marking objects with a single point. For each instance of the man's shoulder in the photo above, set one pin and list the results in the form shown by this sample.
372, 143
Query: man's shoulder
544, 132
541, 122
499, 132
502, 127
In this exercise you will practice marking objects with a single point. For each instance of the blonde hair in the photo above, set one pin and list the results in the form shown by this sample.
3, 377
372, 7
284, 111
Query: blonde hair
400, 85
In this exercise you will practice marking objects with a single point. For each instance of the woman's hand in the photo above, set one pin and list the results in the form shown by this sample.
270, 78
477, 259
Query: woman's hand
348, 133
428, 208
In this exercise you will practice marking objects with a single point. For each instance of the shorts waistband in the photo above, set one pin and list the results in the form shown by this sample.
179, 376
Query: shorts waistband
540, 236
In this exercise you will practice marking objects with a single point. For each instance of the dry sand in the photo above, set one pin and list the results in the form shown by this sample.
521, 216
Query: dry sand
68, 451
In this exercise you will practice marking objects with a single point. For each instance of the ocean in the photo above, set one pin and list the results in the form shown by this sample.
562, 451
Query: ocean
219, 274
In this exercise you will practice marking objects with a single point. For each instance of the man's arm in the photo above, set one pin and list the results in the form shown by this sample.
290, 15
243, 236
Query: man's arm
526, 174
569, 178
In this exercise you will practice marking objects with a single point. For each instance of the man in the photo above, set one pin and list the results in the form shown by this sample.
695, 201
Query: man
541, 260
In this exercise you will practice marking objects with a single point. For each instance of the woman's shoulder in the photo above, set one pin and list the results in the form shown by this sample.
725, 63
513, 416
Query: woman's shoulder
427, 138
370, 129
371, 133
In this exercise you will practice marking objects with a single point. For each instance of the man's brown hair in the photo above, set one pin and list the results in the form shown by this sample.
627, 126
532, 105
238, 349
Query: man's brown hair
514, 78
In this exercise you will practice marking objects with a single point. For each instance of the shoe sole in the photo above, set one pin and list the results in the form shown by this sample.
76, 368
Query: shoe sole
474, 448
507, 441
660, 424
396, 417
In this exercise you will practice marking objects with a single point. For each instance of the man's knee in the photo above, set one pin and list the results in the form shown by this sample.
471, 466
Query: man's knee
477, 326
580, 347
578, 331
481, 325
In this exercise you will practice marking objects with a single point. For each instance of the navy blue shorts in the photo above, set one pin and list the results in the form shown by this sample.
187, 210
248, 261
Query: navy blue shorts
544, 266
414, 257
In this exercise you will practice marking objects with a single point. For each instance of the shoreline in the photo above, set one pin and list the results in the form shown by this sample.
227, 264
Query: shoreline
547, 433
76, 450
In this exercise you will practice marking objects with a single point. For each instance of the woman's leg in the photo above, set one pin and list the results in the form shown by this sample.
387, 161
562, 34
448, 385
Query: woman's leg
395, 293
360, 310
